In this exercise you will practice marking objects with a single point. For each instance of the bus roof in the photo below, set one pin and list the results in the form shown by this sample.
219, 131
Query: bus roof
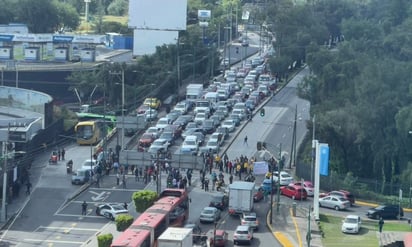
173, 192
131, 238
83, 115
83, 123
169, 200
148, 220
160, 208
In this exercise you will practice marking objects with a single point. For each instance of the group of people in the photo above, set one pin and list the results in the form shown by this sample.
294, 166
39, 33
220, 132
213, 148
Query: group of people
176, 180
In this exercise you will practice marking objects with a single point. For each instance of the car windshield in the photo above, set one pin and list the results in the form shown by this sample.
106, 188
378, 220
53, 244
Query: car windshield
250, 218
212, 143
117, 207
207, 211
190, 143
351, 220
242, 232
341, 199
216, 199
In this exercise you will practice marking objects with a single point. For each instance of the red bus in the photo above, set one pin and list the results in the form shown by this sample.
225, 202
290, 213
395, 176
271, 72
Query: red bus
176, 208
156, 223
133, 238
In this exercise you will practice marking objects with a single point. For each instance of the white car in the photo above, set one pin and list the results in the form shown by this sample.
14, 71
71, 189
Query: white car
150, 115
190, 145
351, 224
159, 145
162, 123
183, 107
241, 113
212, 145
200, 117
111, 210
229, 124
209, 214
285, 178
154, 131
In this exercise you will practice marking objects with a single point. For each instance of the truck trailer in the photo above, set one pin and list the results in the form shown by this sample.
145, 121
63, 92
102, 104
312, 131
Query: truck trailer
176, 237
241, 197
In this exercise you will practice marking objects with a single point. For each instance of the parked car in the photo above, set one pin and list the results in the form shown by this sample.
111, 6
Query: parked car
386, 212
243, 234
307, 185
296, 192
111, 210
209, 214
259, 194
219, 201
285, 178
345, 194
335, 202
351, 224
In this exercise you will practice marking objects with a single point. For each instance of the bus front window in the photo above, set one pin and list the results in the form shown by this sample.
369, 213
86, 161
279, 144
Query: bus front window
85, 132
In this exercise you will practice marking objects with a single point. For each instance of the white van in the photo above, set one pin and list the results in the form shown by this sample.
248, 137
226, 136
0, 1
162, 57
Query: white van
212, 97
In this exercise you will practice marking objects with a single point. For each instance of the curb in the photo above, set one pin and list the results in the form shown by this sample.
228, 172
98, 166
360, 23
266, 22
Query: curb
372, 205
280, 237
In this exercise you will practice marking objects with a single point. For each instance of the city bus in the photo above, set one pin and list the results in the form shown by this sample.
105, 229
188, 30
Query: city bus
156, 223
133, 238
176, 209
90, 132
92, 128
109, 120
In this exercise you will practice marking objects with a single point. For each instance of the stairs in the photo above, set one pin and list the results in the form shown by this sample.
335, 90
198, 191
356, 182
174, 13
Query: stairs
390, 239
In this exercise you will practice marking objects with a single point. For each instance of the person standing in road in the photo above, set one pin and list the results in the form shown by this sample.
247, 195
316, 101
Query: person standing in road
124, 181
136, 175
245, 141
231, 179
63, 153
84, 208
28, 188
59, 154
381, 222
117, 179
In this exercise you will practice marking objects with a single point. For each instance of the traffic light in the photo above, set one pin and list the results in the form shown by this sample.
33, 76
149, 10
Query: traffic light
237, 50
262, 112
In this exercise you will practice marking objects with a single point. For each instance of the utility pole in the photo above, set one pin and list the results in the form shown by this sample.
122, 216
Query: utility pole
5, 157
292, 159
312, 163
278, 189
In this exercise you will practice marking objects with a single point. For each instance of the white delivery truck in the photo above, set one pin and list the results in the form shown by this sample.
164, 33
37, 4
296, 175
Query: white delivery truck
176, 237
241, 197
194, 92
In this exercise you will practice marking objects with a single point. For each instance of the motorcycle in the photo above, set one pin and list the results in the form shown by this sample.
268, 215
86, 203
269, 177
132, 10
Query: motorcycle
219, 184
250, 178
69, 166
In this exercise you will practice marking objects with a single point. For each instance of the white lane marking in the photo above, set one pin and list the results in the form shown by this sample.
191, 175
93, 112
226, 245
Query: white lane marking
52, 241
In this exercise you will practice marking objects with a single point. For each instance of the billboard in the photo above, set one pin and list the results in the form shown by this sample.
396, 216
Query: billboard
158, 14
146, 41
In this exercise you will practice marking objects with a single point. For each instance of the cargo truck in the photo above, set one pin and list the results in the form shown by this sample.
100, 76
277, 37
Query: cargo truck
194, 92
176, 237
241, 197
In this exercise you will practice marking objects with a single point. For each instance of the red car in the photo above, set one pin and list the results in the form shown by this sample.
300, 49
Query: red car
220, 237
259, 194
146, 140
295, 192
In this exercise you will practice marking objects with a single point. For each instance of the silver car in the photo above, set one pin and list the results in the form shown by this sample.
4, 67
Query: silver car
209, 214
335, 202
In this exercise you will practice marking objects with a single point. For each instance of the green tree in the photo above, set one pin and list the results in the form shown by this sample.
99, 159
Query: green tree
67, 15
118, 8
144, 199
41, 16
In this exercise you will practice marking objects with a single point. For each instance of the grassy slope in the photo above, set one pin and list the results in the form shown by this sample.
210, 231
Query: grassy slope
331, 225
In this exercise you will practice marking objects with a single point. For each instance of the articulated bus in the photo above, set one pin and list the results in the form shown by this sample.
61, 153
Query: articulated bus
133, 238
171, 209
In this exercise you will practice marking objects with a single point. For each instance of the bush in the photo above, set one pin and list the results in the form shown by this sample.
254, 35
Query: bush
144, 199
123, 221
105, 240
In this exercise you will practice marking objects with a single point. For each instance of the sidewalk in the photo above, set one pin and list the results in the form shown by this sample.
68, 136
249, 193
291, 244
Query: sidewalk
292, 231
